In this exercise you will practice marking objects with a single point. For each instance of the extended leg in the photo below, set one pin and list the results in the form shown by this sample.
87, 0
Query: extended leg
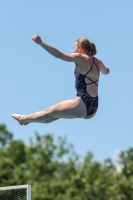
66, 109
45, 122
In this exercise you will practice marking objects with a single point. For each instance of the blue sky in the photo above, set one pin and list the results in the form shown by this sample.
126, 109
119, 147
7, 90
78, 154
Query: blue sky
32, 80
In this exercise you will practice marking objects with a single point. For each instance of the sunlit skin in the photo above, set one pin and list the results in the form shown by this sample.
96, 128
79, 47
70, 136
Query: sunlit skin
70, 108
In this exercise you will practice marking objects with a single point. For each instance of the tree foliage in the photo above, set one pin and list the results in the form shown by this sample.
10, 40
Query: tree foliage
56, 172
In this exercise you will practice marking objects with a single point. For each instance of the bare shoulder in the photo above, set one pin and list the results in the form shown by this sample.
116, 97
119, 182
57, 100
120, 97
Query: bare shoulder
82, 60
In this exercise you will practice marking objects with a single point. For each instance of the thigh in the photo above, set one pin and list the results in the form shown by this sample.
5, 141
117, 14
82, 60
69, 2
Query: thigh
68, 109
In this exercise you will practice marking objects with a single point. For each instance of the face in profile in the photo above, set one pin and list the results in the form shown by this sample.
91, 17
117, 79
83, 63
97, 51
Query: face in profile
76, 48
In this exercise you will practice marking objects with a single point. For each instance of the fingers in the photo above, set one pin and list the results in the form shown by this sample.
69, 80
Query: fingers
36, 38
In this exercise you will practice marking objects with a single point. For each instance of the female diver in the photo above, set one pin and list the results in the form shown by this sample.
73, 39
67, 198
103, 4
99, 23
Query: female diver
87, 71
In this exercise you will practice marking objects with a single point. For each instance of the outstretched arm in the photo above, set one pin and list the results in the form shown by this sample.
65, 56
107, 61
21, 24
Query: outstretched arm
46, 46
75, 57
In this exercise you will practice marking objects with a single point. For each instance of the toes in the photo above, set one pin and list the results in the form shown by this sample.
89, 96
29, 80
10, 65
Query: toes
19, 118
13, 115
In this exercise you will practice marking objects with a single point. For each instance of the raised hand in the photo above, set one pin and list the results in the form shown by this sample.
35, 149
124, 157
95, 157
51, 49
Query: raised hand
36, 38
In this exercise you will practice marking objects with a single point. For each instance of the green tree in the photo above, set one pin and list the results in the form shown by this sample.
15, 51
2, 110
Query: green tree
125, 177
56, 172
5, 136
6, 164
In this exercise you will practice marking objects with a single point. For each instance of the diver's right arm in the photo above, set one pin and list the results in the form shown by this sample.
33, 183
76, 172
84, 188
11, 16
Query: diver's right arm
103, 69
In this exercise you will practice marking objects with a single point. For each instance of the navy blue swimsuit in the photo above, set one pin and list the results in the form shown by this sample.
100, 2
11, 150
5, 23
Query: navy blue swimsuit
91, 103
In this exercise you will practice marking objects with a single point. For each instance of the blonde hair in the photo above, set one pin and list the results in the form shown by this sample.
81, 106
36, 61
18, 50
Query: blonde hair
87, 45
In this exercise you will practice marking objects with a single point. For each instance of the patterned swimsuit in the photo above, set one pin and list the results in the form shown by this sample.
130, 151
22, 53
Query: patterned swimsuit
91, 103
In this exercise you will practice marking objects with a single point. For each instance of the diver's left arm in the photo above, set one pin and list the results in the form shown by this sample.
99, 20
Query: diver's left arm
75, 57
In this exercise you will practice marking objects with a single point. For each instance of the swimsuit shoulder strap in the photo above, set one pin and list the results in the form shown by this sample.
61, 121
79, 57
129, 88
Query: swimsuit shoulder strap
91, 67
96, 66
88, 73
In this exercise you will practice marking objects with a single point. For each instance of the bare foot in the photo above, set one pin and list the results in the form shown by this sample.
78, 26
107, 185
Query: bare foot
20, 119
